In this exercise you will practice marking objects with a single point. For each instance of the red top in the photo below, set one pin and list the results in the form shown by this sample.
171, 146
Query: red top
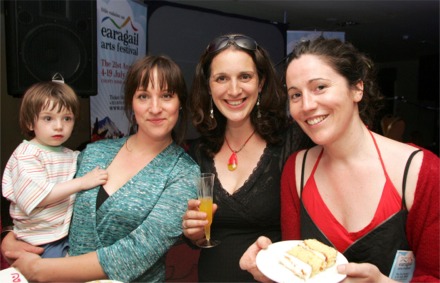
389, 204
423, 222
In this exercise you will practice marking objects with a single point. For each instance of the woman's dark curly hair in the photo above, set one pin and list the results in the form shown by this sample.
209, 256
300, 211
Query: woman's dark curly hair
273, 100
349, 62
170, 77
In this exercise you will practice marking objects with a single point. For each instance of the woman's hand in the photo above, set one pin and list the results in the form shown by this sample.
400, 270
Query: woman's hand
362, 272
26, 263
248, 261
194, 221
10, 243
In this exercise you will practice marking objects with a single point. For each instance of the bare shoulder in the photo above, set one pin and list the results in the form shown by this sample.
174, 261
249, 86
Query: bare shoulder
398, 152
396, 157
312, 155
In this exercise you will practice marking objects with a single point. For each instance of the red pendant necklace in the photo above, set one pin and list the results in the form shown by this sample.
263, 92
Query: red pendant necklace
233, 161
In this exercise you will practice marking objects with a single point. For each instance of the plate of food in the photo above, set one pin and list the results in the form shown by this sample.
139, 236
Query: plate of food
301, 261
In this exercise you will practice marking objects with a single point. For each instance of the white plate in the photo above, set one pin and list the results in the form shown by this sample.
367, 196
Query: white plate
268, 264
11, 275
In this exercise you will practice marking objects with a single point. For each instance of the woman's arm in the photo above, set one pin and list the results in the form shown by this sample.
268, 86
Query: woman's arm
34, 268
78, 268
290, 222
10, 243
423, 223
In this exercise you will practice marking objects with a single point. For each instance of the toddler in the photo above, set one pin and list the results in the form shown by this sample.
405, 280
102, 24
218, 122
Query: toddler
38, 178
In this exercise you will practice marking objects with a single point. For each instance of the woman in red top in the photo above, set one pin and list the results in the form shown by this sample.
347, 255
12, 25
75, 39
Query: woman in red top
368, 196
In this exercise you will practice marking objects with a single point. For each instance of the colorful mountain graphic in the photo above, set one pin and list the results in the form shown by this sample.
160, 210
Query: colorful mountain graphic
105, 129
126, 22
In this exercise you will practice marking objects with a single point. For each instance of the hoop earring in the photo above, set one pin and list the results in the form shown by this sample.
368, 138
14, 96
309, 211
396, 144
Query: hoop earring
211, 111
258, 106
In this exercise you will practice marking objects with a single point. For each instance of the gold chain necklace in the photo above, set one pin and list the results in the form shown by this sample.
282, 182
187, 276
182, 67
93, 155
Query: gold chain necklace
233, 161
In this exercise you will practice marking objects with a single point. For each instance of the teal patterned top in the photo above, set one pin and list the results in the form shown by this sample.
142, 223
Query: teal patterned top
134, 228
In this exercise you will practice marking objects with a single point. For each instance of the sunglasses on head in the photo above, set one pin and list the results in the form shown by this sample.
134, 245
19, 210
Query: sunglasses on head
241, 41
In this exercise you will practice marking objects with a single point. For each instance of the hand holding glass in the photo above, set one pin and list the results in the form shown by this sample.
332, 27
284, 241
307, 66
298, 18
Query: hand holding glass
205, 195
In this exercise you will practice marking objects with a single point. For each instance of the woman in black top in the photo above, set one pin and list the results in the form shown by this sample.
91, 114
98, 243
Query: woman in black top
240, 111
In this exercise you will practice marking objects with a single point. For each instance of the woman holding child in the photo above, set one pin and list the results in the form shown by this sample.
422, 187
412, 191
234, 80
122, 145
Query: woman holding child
122, 230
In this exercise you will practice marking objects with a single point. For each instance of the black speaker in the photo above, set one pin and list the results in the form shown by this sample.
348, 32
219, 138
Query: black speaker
48, 37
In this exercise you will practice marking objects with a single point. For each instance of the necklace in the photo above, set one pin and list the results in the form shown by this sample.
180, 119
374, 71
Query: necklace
159, 147
233, 161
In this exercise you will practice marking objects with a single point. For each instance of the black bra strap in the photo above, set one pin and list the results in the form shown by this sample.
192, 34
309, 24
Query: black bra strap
101, 197
405, 173
303, 169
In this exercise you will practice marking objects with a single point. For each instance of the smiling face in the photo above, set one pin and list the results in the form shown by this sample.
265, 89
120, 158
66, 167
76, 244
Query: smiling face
156, 110
234, 84
320, 99
53, 126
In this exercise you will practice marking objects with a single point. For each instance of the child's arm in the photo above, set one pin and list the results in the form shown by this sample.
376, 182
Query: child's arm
61, 191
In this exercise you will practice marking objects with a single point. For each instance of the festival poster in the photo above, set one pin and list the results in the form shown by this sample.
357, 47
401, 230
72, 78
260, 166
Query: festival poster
121, 39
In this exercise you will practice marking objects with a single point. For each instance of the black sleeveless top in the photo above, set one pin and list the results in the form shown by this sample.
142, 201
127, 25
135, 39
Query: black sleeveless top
379, 246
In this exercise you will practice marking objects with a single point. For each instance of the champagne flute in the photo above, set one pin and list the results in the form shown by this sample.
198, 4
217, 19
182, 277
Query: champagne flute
205, 195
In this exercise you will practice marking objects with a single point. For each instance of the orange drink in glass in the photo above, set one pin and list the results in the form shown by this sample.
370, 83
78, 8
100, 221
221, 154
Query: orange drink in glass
205, 195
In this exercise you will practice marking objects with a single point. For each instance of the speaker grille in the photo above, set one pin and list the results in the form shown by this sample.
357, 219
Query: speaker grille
56, 48
48, 37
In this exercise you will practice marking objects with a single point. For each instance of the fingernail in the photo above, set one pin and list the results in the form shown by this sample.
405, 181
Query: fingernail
341, 268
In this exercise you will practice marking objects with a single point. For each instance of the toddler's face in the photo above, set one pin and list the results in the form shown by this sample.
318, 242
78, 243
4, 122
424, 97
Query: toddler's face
53, 127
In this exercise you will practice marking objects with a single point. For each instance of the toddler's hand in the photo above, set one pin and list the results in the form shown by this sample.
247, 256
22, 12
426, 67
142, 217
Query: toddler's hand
94, 178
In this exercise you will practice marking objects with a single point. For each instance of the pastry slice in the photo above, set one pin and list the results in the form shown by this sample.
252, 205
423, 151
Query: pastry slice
296, 266
315, 260
329, 253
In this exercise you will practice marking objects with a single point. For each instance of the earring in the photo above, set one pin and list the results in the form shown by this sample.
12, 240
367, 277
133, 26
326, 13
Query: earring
258, 106
211, 111
134, 126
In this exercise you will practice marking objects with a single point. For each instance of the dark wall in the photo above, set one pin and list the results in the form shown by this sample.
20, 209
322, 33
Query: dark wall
429, 79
